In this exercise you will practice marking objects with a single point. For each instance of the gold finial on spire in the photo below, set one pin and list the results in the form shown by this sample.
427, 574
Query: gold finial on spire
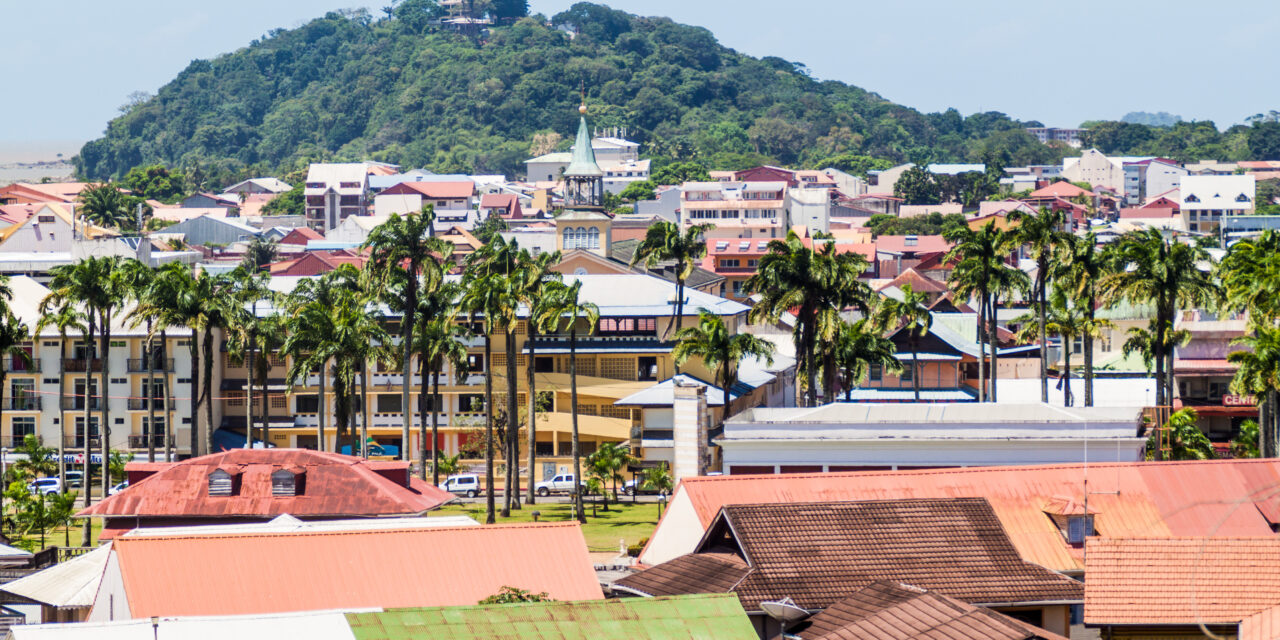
582, 108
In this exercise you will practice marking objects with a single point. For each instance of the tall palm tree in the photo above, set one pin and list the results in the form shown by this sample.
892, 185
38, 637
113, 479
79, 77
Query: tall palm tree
1066, 321
318, 294
1250, 276
174, 299
813, 284
563, 307
105, 206
859, 346
720, 350
13, 333
1165, 273
438, 341
1079, 268
244, 333
405, 246
910, 313
1258, 374
65, 318
665, 241
978, 254
1040, 233
534, 273
1007, 283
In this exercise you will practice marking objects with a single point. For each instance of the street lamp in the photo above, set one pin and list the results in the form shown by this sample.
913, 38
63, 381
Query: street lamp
662, 499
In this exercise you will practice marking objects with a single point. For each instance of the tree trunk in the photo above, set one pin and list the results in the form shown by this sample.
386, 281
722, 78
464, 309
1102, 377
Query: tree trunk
573, 413
1088, 355
422, 422
148, 362
982, 346
104, 426
848, 384
321, 410
262, 396
364, 409
167, 390
811, 371
92, 354
1041, 281
993, 339
915, 367
406, 355
489, 515
512, 490
248, 396
62, 415
1066, 375
532, 417
208, 389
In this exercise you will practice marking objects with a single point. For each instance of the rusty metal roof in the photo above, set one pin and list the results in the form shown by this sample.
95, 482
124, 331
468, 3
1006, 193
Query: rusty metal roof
1195, 498
710, 617
302, 571
1186, 581
892, 611
331, 486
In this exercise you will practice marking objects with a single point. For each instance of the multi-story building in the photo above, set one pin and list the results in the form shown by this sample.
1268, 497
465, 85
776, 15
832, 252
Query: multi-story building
1206, 200
335, 192
1070, 137
738, 209
1203, 374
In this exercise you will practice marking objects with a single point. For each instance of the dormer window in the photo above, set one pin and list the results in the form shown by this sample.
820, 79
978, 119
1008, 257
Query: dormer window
286, 483
1192, 198
1242, 198
911, 241
1079, 528
221, 483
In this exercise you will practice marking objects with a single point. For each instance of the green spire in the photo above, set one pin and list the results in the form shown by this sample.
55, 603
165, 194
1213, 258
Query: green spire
583, 159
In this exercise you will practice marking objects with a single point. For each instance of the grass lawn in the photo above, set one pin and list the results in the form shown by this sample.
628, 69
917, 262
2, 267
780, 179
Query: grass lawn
625, 521
56, 537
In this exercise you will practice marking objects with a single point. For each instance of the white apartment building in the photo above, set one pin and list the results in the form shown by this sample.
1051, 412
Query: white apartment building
738, 209
334, 192
1207, 199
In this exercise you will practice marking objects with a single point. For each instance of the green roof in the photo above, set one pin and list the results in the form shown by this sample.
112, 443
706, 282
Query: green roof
582, 160
714, 617
1121, 362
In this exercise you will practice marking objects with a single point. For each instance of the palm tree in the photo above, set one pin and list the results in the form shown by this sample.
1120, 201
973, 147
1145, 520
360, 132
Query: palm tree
260, 253
534, 274
1041, 233
1186, 440
105, 206
859, 346
563, 307
65, 318
13, 333
719, 350
1258, 374
314, 296
911, 313
404, 246
174, 299
438, 340
1250, 276
664, 241
1080, 266
979, 255
1007, 283
244, 331
1067, 322
1165, 273
813, 284
607, 463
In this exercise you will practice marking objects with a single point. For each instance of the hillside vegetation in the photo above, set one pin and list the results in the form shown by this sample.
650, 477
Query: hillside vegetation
351, 87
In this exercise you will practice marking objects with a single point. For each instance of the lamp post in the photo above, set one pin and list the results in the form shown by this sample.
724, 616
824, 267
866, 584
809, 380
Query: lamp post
155, 627
662, 499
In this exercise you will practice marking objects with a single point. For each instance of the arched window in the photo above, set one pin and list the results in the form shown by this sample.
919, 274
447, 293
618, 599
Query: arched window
594, 235
582, 238
568, 238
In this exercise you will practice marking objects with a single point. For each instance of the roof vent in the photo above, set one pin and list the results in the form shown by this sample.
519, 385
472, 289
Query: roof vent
222, 483
287, 483
911, 241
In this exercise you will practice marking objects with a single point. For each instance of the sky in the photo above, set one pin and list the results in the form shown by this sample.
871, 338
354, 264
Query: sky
76, 61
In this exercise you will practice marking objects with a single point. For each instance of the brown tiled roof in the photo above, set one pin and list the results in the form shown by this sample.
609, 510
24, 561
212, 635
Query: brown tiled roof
819, 552
711, 572
1141, 581
919, 282
890, 611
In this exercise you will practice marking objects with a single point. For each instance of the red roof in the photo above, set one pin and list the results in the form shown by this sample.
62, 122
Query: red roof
1180, 580
1131, 499
301, 236
314, 263
335, 486
435, 190
247, 573
919, 283
923, 244
1059, 189
1147, 212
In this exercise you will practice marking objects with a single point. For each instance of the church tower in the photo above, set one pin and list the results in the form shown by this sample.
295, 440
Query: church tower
583, 179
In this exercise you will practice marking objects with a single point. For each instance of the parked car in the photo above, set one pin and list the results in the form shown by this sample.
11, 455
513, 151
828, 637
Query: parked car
463, 484
636, 486
118, 488
75, 479
45, 486
562, 483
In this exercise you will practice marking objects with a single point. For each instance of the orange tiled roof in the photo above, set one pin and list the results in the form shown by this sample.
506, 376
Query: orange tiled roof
918, 281
1061, 189
235, 574
1130, 499
1138, 581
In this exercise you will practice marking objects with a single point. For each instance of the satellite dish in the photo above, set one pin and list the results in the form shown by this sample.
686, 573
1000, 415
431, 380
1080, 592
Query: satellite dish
784, 611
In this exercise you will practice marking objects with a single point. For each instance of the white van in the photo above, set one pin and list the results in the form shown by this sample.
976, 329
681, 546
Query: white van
464, 484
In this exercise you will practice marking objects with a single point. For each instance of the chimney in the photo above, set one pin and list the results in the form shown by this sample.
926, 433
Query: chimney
689, 425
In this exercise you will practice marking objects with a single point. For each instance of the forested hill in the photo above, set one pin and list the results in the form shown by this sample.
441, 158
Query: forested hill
351, 87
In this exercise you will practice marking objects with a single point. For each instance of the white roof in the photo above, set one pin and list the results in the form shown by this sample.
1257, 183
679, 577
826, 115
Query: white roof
332, 175
312, 625
1218, 192
603, 142
286, 524
73, 583
27, 295
273, 185
1107, 392
942, 418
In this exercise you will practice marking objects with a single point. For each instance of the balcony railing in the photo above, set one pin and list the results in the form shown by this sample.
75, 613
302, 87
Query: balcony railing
81, 365
13, 441
140, 441
141, 404
22, 404
14, 365
77, 442
78, 404
143, 365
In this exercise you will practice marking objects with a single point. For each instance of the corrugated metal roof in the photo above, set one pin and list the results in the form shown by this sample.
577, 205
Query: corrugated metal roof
710, 617
1186, 581
1131, 499
312, 625
267, 573
73, 583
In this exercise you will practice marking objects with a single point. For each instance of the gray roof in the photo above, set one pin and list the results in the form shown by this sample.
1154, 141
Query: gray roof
951, 414
699, 278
